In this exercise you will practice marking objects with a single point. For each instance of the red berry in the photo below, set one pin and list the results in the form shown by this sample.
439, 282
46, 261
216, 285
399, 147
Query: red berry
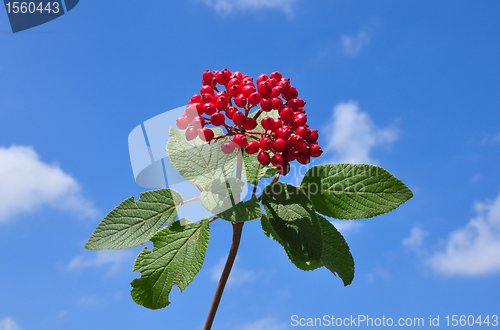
252, 147
285, 85
315, 150
264, 158
238, 75
290, 155
279, 145
196, 98
276, 75
286, 114
277, 160
277, 103
264, 89
267, 123
230, 112
221, 93
277, 124
209, 108
296, 140
266, 143
235, 90
233, 81
313, 136
239, 118
303, 148
206, 134
261, 78
191, 111
299, 119
247, 81
283, 169
221, 103
291, 93
266, 104
228, 147
198, 122
250, 124
191, 133
273, 82
223, 76
182, 123
240, 100
293, 104
217, 119
206, 89
303, 159
284, 132
207, 77
254, 98
303, 131
247, 90
240, 140
206, 98
276, 91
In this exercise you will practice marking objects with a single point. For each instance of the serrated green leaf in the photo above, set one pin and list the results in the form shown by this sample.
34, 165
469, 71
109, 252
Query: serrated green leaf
292, 217
353, 191
336, 254
302, 262
132, 223
197, 161
220, 196
176, 258
243, 211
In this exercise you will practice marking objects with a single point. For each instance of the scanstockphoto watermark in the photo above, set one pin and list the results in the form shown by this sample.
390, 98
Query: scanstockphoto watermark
24, 15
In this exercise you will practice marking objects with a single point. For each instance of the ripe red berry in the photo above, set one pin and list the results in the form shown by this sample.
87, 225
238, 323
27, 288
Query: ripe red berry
223, 76
264, 89
299, 119
228, 147
206, 89
303, 159
209, 108
240, 140
247, 90
277, 160
266, 104
296, 140
267, 123
303, 131
285, 85
266, 143
313, 136
206, 134
279, 145
240, 100
206, 98
286, 114
277, 124
315, 150
252, 147
247, 81
264, 158
235, 90
291, 93
233, 81
276, 75
284, 132
250, 124
303, 148
217, 119
196, 98
239, 118
254, 98
207, 77
191, 133
261, 78
283, 169
277, 103
182, 122
198, 122
272, 82
276, 91
290, 155
230, 112
221, 103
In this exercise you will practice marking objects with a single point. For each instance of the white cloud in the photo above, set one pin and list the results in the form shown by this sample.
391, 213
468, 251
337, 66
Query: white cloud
379, 273
352, 134
113, 258
475, 248
237, 276
264, 324
228, 6
346, 225
26, 184
416, 239
354, 44
8, 324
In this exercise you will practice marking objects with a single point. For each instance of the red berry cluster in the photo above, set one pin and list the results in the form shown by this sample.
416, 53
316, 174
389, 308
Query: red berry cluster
285, 139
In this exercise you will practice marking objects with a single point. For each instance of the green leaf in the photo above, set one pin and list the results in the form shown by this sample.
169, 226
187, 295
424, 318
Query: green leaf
243, 211
292, 217
197, 161
302, 262
220, 196
132, 223
353, 191
336, 255
253, 171
176, 258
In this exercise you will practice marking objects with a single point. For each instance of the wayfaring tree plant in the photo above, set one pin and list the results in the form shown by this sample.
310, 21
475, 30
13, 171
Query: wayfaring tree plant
220, 130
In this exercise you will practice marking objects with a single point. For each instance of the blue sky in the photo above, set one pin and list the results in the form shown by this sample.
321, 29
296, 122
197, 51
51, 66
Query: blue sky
412, 86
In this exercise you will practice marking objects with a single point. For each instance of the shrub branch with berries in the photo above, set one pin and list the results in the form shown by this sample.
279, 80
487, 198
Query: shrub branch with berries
236, 131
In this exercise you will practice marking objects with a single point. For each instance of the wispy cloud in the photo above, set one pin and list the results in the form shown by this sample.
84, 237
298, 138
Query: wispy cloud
27, 183
227, 6
238, 276
8, 324
475, 248
415, 241
112, 258
264, 324
352, 134
352, 45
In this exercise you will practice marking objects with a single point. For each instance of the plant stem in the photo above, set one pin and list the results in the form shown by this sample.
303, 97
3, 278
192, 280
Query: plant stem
237, 229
